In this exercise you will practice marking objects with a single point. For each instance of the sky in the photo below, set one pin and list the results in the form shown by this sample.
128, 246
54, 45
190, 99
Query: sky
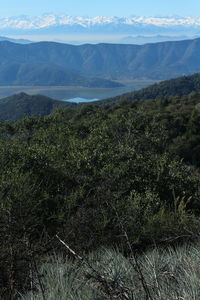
93, 8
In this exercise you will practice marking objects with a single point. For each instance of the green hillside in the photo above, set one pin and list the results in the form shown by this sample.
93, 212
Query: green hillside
20, 105
86, 173
125, 176
180, 86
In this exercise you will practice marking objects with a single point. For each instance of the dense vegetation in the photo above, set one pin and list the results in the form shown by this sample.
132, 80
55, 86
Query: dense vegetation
180, 86
89, 172
23, 63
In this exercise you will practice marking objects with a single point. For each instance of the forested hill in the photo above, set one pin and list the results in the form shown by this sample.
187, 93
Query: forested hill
81, 173
169, 88
17, 106
111, 61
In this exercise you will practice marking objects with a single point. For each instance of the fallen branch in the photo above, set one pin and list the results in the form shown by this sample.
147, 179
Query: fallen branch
112, 292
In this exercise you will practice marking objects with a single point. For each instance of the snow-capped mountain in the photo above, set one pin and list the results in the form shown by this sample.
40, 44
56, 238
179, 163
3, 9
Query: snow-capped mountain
102, 24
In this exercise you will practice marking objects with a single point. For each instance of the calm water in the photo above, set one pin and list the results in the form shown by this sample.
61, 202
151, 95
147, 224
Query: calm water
79, 100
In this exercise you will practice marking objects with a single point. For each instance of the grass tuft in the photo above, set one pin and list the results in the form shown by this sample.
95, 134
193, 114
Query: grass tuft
170, 274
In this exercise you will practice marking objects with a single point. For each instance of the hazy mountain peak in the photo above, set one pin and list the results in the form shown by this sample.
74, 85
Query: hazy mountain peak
50, 19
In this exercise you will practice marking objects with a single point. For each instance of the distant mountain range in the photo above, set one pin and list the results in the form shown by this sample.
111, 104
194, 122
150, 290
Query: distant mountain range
41, 74
90, 39
19, 41
144, 39
48, 63
51, 23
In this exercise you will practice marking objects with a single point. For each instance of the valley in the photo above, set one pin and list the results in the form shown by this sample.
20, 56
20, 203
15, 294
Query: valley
68, 92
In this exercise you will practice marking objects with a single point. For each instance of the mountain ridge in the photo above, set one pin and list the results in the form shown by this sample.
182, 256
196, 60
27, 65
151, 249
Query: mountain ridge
41, 74
48, 20
157, 61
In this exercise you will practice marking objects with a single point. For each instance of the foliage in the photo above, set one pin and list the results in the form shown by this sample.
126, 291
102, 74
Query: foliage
21, 105
84, 172
162, 91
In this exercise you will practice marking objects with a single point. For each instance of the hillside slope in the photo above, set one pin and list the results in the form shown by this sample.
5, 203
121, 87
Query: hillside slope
180, 86
38, 74
20, 105
111, 61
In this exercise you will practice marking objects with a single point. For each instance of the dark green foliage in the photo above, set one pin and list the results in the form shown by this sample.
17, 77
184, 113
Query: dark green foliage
83, 172
20, 105
161, 91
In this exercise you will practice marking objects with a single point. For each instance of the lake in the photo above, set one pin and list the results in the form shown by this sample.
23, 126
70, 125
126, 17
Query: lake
81, 100
76, 94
